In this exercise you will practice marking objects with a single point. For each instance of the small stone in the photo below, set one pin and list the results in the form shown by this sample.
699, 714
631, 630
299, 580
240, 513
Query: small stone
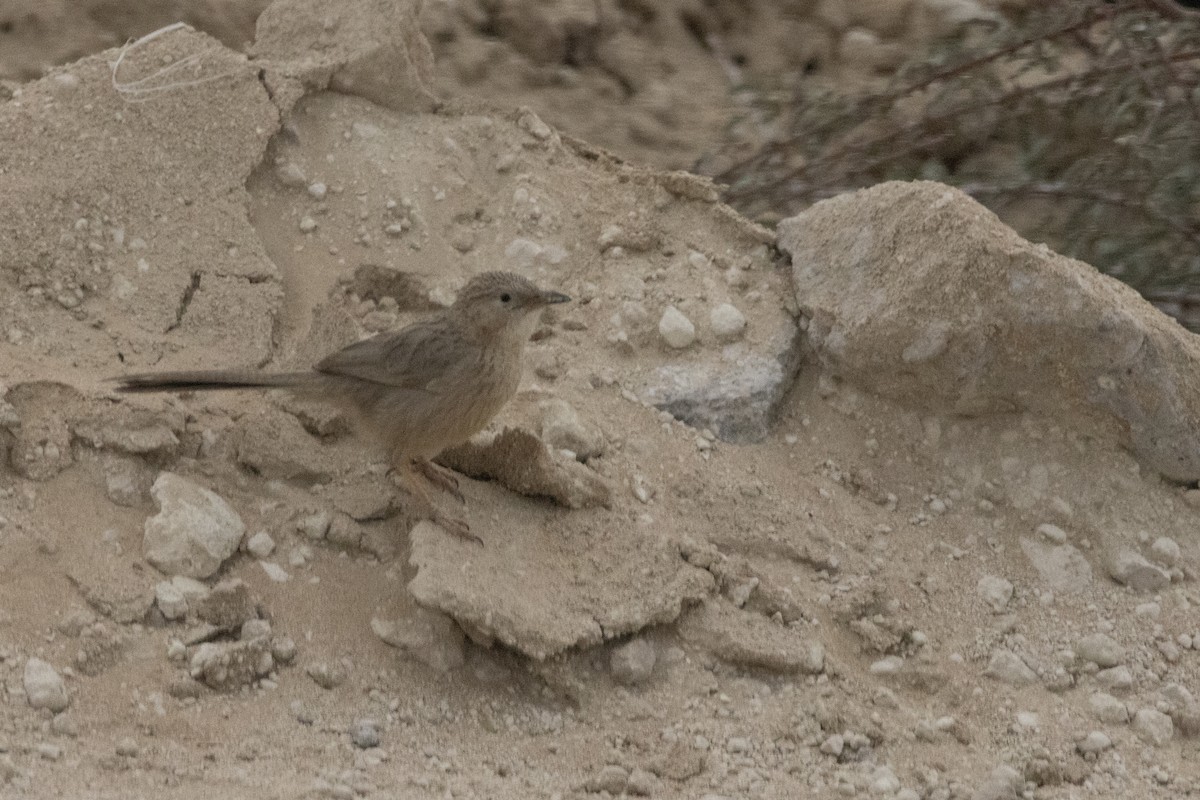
563, 429
888, 665
317, 190
884, 781
1107, 708
1100, 649
1115, 679
364, 733
1007, 667
1094, 743
727, 322
1052, 533
738, 744
194, 532
1165, 551
995, 591
260, 545
1153, 726
193, 590
833, 745
430, 637
127, 747
676, 329
325, 676
1002, 783
1150, 610
283, 649
633, 662
44, 687
50, 752
290, 174
274, 571
642, 783
227, 606
227, 666
62, 725
254, 629
170, 600
307, 224
611, 778
1129, 568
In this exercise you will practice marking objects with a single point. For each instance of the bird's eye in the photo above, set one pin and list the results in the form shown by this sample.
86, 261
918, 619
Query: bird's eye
504, 298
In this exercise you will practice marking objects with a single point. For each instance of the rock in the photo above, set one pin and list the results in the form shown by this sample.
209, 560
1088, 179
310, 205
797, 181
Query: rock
642, 783
193, 591
633, 662
676, 329
283, 648
428, 636
316, 525
227, 605
1116, 679
260, 545
1165, 551
193, 533
1107, 708
274, 571
1052, 533
735, 397
1007, 667
1063, 567
612, 779
1100, 649
1094, 743
44, 687
1002, 783
325, 676
881, 305
255, 629
833, 745
364, 733
749, 638
995, 591
226, 666
562, 429
1153, 726
522, 462
170, 601
578, 590
1129, 568
681, 762
727, 322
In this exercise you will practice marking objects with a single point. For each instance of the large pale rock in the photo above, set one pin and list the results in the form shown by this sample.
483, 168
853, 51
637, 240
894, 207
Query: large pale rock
44, 687
1062, 566
193, 533
541, 593
917, 292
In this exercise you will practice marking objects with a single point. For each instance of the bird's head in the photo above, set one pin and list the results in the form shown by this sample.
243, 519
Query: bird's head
497, 303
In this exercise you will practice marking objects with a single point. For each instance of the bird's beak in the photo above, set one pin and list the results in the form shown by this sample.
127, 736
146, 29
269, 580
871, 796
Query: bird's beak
550, 298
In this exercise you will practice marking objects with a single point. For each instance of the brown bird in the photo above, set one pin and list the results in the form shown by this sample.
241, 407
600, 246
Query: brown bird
419, 390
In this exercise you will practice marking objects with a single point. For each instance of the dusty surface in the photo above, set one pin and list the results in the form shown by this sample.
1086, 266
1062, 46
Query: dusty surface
834, 585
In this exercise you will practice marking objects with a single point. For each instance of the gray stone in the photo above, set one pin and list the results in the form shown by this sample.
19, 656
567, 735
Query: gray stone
995, 591
1101, 649
260, 545
1008, 667
1002, 783
735, 397
633, 662
44, 687
1063, 567
1117, 679
170, 600
226, 666
1094, 743
611, 778
1107, 708
883, 304
364, 733
428, 636
193, 533
562, 429
1129, 568
1153, 726
676, 329
1165, 551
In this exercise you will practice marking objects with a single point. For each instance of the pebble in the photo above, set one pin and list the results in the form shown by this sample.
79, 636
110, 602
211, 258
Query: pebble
995, 591
889, 665
1165, 551
44, 687
50, 752
291, 174
325, 676
254, 629
676, 329
738, 744
275, 572
170, 600
884, 781
1131, 569
1101, 649
317, 190
364, 733
727, 322
1052, 533
431, 637
194, 532
127, 747
1153, 727
1008, 667
283, 649
260, 545
315, 526
633, 662
833, 745
1107, 708
1116, 678
307, 224
611, 778
1095, 742
193, 590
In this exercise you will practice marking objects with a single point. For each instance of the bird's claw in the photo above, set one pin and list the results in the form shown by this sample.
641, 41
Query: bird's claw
441, 477
456, 526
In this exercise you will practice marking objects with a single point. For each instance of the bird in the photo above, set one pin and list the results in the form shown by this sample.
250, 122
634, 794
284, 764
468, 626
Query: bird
417, 391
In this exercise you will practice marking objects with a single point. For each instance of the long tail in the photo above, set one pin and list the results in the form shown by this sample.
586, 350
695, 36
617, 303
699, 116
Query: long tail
207, 380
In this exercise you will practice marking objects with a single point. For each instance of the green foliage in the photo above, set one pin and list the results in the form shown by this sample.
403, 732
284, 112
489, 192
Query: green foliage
1079, 125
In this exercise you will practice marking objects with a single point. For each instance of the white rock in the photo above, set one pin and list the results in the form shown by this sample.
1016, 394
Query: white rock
562, 429
1094, 742
170, 600
1165, 551
1116, 679
260, 545
833, 745
1101, 649
995, 591
1007, 667
307, 224
44, 687
428, 636
274, 571
1107, 708
884, 781
727, 322
194, 532
888, 665
1052, 533
633, 662
1153, 726
318, 190
676, 329
1130, 568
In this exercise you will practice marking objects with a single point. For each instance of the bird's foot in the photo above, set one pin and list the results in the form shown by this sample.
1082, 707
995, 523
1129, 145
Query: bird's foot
455, 526
441, 477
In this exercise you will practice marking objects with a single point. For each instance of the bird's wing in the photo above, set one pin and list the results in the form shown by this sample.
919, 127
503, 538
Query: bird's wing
415, 358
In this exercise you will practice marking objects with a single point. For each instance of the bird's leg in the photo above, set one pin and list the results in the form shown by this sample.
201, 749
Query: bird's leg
407, 470
441, 477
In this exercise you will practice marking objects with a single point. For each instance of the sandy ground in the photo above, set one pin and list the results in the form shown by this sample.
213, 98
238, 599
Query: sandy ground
748, 566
